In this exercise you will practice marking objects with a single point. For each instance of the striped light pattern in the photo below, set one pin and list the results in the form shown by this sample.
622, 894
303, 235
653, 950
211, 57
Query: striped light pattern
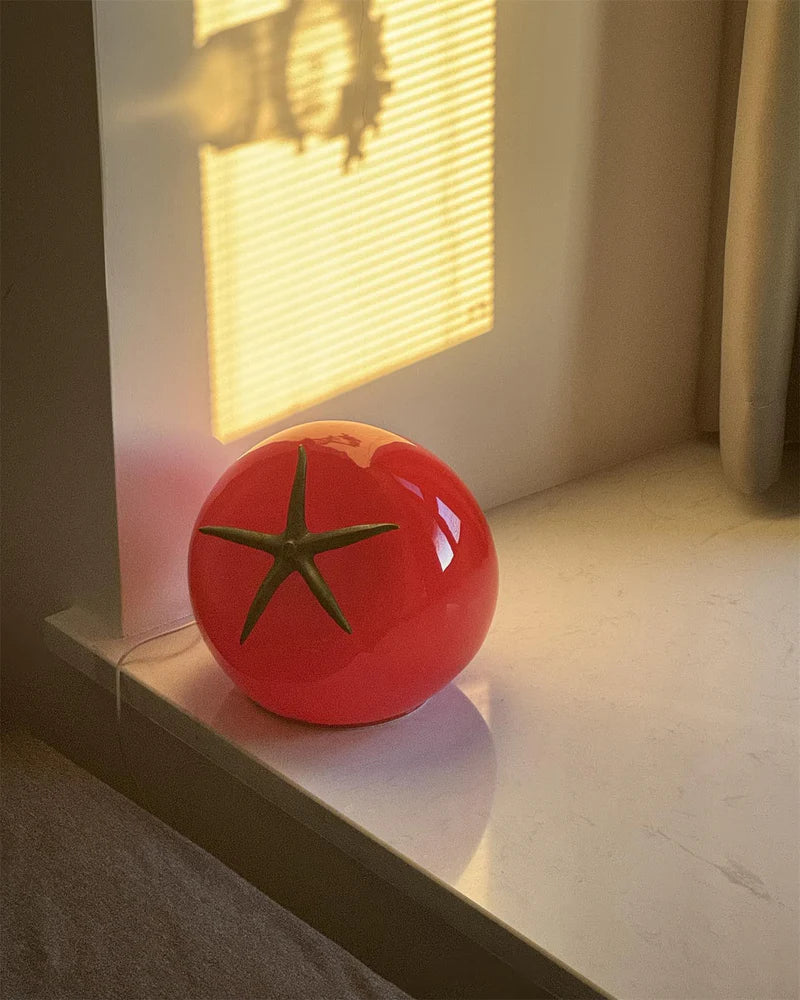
319, 280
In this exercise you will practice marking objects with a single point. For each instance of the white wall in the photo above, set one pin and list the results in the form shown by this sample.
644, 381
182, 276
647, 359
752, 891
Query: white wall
604, 144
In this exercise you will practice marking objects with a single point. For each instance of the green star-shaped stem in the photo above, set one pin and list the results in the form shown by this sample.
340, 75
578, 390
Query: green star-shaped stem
294, 550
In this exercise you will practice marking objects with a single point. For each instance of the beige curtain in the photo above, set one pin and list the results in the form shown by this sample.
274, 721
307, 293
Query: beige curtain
754, 260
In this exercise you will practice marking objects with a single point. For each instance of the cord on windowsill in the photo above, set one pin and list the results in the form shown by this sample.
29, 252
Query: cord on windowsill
118, 698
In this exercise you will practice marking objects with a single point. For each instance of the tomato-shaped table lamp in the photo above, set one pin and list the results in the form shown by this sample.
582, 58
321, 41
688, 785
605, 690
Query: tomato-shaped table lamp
341, 574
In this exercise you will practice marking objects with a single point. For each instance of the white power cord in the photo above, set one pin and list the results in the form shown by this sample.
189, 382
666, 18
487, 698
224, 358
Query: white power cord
118, 689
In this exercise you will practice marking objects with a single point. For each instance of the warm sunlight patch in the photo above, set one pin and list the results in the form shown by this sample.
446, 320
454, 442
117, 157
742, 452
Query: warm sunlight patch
337, 251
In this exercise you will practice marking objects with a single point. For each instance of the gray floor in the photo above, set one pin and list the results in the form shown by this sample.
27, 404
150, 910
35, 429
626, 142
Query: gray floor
102, 900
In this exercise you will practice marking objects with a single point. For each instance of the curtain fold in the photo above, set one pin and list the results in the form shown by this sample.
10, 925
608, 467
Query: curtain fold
761, 285
734, 13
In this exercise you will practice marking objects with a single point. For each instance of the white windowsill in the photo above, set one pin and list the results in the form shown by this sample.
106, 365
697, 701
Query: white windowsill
614, 778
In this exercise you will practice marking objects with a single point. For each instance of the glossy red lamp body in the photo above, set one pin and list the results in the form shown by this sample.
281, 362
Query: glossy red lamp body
333, 626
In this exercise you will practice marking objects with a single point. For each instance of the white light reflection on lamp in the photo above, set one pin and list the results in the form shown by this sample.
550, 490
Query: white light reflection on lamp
441, 543
444, 550
410, 487
453, 521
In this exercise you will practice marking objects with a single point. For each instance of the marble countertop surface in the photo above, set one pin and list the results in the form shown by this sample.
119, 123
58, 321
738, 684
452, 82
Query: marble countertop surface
615, 777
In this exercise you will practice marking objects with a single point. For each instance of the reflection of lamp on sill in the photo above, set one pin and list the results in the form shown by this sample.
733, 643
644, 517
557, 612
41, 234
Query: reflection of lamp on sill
441, 758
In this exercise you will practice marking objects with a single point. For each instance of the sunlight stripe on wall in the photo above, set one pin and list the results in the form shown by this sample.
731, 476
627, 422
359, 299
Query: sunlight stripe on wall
319, 279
